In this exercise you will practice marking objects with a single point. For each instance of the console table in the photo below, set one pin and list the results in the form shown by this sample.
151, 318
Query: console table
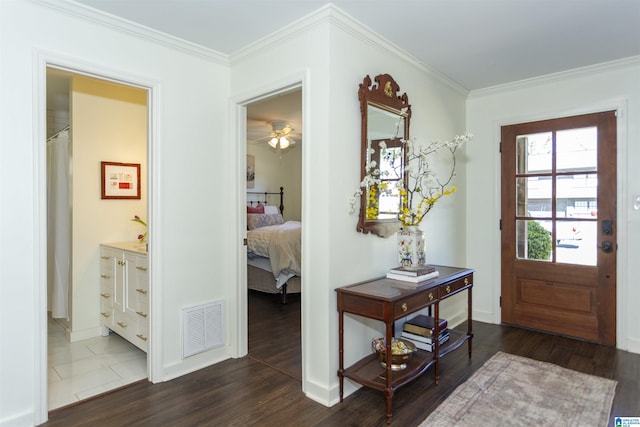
388, 300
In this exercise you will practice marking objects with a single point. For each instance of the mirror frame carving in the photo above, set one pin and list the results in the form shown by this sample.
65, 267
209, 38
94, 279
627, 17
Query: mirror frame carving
384, 95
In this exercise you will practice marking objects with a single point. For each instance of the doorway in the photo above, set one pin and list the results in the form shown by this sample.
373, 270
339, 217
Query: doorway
99, 120
274, 327
558, 231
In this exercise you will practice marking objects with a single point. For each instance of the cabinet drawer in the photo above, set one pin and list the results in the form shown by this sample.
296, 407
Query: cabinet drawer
142, 336
142, 311
453, 287
415, 302
106, 315
124, 325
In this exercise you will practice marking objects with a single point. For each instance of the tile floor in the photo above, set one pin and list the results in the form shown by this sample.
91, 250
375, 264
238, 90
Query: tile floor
86, 368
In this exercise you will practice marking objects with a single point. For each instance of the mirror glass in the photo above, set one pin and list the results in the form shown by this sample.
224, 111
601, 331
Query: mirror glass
385, 124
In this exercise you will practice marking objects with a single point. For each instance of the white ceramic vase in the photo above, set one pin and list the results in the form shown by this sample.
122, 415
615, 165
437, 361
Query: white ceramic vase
411, 247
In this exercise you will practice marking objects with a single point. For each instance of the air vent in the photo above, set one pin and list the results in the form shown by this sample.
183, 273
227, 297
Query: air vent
203, 328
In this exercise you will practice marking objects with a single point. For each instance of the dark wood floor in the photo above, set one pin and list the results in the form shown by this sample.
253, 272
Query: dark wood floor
264, 388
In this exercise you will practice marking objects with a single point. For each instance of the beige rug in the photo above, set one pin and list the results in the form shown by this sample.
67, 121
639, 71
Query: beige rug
517, 391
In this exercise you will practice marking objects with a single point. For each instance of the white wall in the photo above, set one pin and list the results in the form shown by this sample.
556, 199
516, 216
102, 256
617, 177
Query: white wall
109, 124
275, 170
607, 87
332, 59
189, 130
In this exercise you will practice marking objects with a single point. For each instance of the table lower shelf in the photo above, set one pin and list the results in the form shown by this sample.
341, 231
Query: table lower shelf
370, 373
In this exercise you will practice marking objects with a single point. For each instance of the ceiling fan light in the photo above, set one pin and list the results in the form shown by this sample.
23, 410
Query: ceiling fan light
273, 142
284, 142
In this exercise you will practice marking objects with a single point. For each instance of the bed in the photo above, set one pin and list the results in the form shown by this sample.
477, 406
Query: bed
273, 246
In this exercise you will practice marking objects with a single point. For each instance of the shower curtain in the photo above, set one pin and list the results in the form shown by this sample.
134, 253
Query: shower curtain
58, 223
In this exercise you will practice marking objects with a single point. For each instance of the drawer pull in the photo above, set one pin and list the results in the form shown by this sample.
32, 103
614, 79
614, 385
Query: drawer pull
142, 291
120, 262
105, 257
404, 306
105, 314
105, 276
142, 337
140, 313
430, 296
105, 295
448, 288
141, 268
466, 281
122, 324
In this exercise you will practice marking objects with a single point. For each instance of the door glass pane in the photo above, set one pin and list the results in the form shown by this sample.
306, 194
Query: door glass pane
577, 149
576, 196
533, 153
576, 242
533, 240
533, 197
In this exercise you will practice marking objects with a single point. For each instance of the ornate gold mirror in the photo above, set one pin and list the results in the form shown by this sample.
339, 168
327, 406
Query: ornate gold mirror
385, 124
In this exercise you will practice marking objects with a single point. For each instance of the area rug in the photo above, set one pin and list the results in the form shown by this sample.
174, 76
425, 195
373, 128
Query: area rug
517, 391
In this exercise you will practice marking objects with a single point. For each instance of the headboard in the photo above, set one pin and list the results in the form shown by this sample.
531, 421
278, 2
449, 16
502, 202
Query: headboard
257, 197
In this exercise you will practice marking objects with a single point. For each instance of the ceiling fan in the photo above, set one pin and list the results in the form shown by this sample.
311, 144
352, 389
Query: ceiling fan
281, 135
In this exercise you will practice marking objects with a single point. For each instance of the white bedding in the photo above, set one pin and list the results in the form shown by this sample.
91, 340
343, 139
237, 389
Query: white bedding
281, 245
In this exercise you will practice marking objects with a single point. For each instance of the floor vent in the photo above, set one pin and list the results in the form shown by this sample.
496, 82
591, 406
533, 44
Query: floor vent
203, 328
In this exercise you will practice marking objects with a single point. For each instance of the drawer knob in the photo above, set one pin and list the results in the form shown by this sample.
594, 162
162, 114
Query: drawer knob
142, 337
448, 288
466, 280
404, 307
141, 314
141, 291
430, 296
122, 324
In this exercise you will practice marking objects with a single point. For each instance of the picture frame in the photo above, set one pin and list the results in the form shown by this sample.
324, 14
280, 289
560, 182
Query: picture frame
120, 180
251, 171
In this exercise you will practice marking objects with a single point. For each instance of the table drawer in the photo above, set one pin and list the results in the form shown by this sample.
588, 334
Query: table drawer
415, 302
453, 287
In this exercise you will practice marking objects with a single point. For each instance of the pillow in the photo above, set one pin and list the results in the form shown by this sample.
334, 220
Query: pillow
271, 210
259, 209
262, 220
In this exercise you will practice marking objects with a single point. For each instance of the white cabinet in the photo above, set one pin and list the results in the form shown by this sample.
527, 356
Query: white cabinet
124, 291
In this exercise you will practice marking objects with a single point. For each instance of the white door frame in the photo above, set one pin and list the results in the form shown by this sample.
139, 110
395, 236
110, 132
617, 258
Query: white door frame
238, 295
42, 61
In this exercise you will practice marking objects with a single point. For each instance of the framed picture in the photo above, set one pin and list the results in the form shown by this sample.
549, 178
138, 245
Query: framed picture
251, 171
120, 180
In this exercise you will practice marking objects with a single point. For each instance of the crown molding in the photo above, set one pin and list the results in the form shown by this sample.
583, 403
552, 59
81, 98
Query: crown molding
336, 16
632, 61
107, 20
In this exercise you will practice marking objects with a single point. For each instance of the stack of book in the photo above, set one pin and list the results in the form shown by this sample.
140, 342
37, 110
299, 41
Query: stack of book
421, 329
413, 276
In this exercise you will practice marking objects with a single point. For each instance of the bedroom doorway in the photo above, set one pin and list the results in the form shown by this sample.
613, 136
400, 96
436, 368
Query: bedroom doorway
88, 119
274, 179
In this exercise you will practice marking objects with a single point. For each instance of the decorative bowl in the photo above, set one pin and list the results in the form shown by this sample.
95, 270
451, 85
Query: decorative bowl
401, 352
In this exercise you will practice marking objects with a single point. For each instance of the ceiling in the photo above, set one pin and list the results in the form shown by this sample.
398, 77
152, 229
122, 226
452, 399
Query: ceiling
476, 43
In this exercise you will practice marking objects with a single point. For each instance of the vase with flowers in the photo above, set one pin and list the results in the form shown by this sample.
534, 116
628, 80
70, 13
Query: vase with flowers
142, 238
418, 193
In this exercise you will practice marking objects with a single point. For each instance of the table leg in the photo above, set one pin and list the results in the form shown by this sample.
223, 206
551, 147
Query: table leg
341, 352
469, 320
